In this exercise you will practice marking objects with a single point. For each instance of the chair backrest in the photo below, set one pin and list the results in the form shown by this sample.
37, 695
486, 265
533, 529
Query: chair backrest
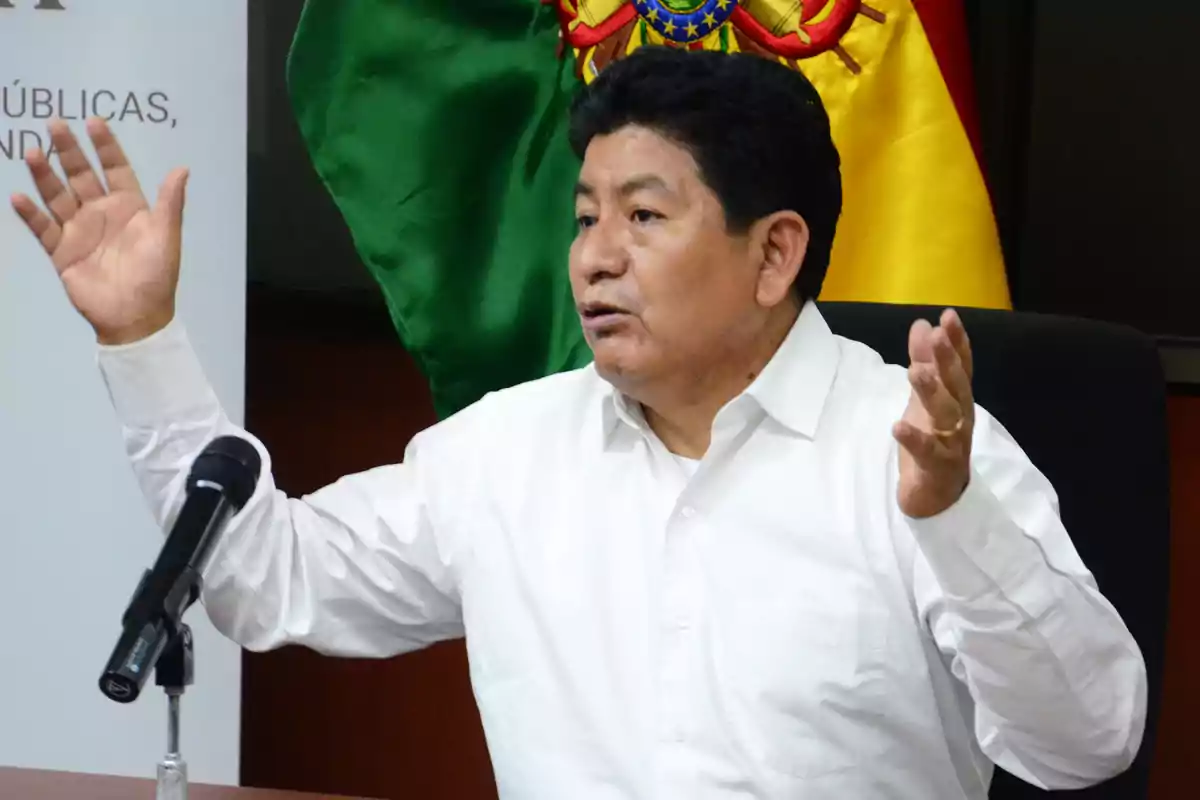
1086, 401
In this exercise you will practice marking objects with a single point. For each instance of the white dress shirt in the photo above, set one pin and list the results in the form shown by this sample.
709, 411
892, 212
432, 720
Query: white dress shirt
763, 623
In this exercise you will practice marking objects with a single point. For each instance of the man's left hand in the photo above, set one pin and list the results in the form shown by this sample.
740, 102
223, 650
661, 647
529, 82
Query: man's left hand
935, 431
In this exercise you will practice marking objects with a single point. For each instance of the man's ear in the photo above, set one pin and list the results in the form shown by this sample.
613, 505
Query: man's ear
783, 239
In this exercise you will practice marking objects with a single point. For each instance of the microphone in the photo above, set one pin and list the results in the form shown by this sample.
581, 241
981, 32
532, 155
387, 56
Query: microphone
221, 481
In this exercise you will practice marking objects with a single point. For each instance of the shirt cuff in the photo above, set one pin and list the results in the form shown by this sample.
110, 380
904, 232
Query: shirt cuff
975, 549
157, 379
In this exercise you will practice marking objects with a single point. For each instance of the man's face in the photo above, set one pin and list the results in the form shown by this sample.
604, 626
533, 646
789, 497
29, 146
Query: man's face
662, 287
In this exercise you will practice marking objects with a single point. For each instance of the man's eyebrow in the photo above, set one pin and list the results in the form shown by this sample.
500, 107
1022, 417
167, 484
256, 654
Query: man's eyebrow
635, 184
640, 182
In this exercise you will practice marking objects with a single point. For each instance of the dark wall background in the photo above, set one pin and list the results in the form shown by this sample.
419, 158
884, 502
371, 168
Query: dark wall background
1089, 134
1090, 129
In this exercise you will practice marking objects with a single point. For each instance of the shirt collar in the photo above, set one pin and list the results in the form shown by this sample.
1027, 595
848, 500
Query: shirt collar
794, 385
791, 389
617, 409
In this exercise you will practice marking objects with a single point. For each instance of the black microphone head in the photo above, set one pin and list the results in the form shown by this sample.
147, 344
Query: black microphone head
232, 463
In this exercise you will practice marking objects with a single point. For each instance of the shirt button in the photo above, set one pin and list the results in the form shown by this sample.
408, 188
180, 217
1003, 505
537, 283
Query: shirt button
688, 512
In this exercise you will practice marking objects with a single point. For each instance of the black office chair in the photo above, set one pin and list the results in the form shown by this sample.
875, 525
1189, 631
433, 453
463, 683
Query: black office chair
1087, 402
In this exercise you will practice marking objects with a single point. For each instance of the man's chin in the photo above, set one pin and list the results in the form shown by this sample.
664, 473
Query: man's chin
615, 361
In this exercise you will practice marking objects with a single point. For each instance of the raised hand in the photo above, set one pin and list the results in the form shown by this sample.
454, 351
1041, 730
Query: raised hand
117, 257
935, 431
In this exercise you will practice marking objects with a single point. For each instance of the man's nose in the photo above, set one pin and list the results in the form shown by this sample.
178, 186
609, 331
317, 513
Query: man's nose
605, 253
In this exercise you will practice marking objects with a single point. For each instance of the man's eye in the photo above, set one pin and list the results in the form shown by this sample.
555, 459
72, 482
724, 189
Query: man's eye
585, 221
645, 215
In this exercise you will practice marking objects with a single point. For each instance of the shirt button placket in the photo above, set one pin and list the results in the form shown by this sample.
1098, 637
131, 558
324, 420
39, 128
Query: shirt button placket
677, 623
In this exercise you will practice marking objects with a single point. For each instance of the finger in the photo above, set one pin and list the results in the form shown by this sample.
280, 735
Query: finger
80, 176
919, 344
168, 206
950, 369
953, 325
54, 194
117, 172
943, 409
924, 447
47, 231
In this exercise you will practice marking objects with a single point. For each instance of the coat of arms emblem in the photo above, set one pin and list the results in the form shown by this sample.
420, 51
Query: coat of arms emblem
599, 31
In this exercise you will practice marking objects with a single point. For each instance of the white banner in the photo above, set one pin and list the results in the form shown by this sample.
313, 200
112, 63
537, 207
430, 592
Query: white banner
75, 533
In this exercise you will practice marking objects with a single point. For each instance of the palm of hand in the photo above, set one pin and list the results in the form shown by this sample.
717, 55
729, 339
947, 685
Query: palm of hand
117, 257
937, 425
929, 485
108, 260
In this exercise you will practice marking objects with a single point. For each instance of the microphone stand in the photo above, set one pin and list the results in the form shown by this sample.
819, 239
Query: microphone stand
174, 671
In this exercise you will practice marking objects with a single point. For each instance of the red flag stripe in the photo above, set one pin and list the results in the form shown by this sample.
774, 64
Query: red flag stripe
945, 24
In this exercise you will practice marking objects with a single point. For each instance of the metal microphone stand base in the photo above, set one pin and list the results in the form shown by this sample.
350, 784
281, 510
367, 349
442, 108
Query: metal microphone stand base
174, 671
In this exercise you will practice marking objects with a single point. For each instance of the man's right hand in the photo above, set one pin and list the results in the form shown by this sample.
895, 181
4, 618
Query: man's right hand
117, 257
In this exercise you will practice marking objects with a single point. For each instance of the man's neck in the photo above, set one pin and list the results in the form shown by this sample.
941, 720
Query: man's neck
683, 418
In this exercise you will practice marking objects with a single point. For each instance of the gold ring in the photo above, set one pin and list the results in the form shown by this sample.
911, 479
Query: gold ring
944, 433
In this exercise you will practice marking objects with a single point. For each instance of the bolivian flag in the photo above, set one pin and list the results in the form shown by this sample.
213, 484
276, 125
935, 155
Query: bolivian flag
439, 127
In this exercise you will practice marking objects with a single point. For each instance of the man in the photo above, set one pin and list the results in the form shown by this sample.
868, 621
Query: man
737, 556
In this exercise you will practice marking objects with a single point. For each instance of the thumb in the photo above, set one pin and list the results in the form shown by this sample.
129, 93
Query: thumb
168, 207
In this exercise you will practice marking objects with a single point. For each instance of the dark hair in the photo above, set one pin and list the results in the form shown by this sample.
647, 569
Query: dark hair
757, 130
